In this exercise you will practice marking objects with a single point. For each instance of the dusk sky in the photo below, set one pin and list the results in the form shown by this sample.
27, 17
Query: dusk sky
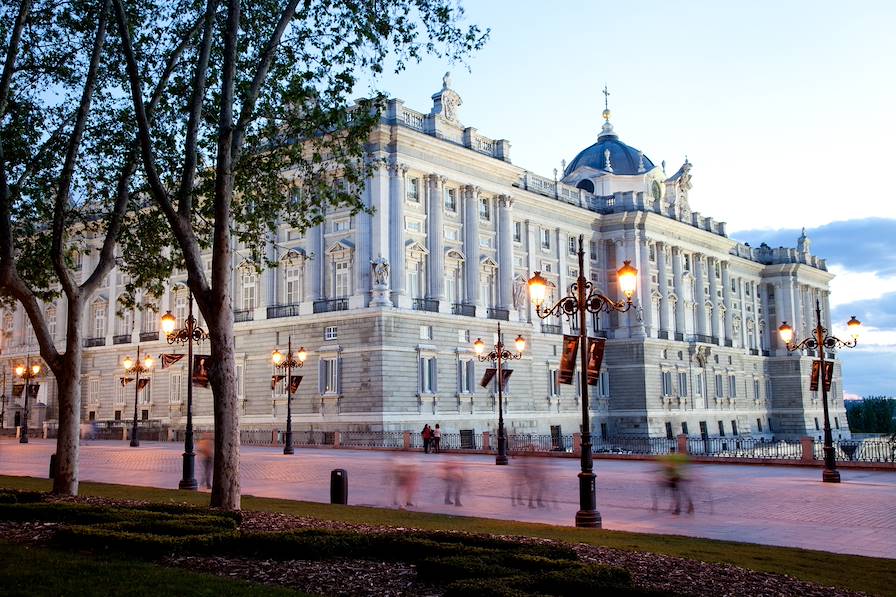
784, 108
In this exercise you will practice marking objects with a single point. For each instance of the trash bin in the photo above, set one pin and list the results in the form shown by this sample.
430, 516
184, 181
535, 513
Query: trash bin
338, 486
53, 465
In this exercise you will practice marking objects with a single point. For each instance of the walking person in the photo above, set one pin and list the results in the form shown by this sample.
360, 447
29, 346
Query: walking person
206, 451
427, 437
437, 439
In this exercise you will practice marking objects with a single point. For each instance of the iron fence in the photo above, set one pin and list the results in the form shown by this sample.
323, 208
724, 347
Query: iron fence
866, 450
532, 442
642, 445
744, 447
372, 439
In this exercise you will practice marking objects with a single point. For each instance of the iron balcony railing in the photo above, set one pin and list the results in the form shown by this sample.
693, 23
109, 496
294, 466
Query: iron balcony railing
663, 335
243, 315
701, 338
149, 336
425, 304
462, 309
550, 328
325, 306
91, 342
289, 310
121, 339
495, 313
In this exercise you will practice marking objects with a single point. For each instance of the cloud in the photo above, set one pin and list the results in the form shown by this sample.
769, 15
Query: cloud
879, 313
868, 372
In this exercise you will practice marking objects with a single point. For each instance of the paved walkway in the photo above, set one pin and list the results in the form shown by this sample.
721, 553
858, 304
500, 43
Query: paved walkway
758, 504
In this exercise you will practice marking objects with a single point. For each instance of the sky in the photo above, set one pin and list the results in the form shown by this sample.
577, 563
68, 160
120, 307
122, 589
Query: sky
785, 110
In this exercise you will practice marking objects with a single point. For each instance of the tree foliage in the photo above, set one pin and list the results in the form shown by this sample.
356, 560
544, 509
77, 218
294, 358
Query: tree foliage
873, 414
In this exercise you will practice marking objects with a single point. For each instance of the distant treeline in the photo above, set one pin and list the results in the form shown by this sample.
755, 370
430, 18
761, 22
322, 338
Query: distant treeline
872, 414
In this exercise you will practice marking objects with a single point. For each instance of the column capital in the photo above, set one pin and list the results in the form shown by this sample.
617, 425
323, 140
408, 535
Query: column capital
398, 169
505, 201
471, 191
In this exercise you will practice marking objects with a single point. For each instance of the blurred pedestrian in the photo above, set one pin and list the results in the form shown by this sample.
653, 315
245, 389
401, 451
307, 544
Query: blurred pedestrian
427, 437
404, 482
453, 475
437, 439
205, 448
673, 467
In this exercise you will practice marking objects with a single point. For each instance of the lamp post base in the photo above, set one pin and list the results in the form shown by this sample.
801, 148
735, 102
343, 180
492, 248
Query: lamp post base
135, 443
830, 476
23, 437
501, 459
189, 481
588, 519
288, 450
287, 443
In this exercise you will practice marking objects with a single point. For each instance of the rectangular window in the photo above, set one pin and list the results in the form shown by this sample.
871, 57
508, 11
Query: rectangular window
545, 238
682, 383
698, 386
239, 381
293, 291
463, 336
342, 225
485, 242
99, 321
684, 427
427, 375
414, 190
668, 430
721, 428
667, 383
554, 382
836, 422
329, 375
517, 232
759, 425
93, 390
466, 377
732, 386
733, 427
342, 280
331, 332
117, 415
720, 389
768, 389
426, 332
451, 200
703, 431
603, 384
592, 249
817, 428
249, 284
174, 383
452, 233
485, 209
51, 322
756, 389
572, 245
413, 225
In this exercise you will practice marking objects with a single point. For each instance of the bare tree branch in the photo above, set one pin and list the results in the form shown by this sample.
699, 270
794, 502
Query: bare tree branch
12, 53
21, 292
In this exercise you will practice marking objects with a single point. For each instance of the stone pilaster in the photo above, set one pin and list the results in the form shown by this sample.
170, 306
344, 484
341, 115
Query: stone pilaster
645, 299
699, 293
726, 300
663, 283
471, 245
505, 252
678, 283
397, 174
435, 237
714, 320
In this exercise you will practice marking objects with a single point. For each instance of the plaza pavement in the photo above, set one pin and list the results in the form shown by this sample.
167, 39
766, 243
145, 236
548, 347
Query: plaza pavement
773, 505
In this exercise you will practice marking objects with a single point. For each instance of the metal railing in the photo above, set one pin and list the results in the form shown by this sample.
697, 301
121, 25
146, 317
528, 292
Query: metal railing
340, 304
520, 443
462, 309
243, 315
276, 311
149, 336
372, 439
425, 304
121, 339
643, 445
867, 450
744, 447
91, 342
495, 313
549, 328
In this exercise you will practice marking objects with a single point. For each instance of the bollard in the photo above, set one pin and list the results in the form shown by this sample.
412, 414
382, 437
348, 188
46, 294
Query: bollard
53, 465
338, 486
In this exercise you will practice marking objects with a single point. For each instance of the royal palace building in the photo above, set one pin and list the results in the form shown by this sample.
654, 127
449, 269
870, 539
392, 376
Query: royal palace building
387, 305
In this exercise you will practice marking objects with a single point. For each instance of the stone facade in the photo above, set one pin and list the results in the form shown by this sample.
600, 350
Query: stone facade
387, 305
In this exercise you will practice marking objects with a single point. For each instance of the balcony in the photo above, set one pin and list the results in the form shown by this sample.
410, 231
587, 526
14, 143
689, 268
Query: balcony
462, 309
602, 333
149, 336
700, 338
715, 340
290, 310
729, 343
91, 342
662, 335
494, 313
425, 304
121, 339
549, 328
766, 353
754, 352
340, 304
243, 315
679, 336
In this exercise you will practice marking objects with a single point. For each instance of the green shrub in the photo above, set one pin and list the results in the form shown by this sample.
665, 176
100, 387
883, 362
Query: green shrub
447, 569
486, 587
19, 496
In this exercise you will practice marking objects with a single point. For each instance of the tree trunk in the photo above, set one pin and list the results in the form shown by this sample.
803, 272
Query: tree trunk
68, 382
222, 376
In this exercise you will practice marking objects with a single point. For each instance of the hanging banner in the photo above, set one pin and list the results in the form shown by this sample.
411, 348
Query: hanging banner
828, 375
813, 381
568, 359
487, 378
32, 390
125, 380
595, 358
505, 375
18, 389
142, 384
169, 359
200, 370
294, 382
275, 379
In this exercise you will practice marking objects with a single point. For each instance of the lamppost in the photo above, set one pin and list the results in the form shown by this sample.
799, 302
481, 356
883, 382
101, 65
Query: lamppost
582, 299
3, 401
26, 372
186, 335
821, 341
137, 367
289, 361
499, 355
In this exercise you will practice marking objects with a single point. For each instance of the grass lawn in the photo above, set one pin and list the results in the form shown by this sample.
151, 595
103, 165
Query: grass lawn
24, 572
871, 575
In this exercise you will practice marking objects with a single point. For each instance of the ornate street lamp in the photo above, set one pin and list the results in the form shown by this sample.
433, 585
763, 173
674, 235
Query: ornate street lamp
289, 361
186, 335
583, 299
26, 372
137, 367
499, 355
821, 341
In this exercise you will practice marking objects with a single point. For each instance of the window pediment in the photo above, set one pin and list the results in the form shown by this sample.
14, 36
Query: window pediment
340, 246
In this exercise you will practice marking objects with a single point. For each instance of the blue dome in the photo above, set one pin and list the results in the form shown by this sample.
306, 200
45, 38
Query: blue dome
623, 158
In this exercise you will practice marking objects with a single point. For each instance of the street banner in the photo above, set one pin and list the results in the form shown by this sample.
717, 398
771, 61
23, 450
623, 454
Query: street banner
487, 378
275, 379
32, 390
294, 382
828, 375
505, 375
595, 358
200, 370
125, 380
568, 359
18, 389
142, 384
169, 359
813, 381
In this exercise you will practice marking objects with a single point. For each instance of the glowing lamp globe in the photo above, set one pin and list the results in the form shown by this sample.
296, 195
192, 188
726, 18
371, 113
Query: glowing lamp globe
538, 288
520, 343
628, 279
786, 333
854, 326
169, 322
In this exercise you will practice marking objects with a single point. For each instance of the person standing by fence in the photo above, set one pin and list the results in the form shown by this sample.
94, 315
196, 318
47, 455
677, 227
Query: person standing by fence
427, 437
437, 439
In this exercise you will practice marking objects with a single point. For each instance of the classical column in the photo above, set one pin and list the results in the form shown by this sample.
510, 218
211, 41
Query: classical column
699, 293
663, 282
714, 326
532, 264
435, 237
505, 252
471, 244
364, 247
313, 282
726, 300
645, 296
678, 282
781, 315
755, 287
826, 305
380, 257
397, 174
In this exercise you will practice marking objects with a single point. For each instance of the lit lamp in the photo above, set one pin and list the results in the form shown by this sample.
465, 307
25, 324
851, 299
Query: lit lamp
26, 373
499, 355
137, 367
820, 341
581, 300
289, 361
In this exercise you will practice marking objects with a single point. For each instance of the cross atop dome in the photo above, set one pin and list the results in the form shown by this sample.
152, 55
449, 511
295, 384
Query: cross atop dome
606, 113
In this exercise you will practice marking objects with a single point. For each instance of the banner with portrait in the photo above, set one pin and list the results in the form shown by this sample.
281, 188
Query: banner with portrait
488, 377
169, 359
201, 364
568, 359
275, 379
294, 382
596, 348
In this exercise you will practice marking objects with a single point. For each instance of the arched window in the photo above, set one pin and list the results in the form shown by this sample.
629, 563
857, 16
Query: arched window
586, 185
